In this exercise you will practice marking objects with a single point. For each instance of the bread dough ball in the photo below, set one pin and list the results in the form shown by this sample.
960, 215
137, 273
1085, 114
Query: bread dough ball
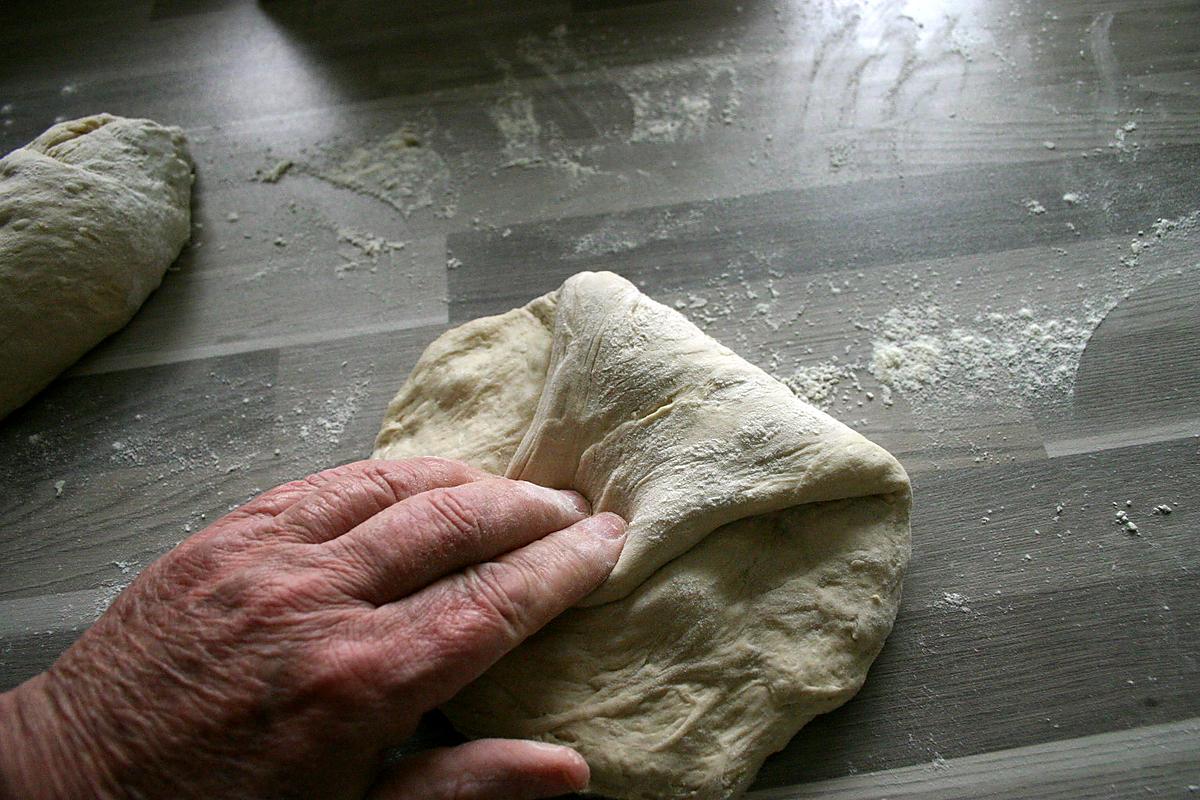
92, 213
766, 544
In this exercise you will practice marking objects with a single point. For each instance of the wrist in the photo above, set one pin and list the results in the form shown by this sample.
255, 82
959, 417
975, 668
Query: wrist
43, 755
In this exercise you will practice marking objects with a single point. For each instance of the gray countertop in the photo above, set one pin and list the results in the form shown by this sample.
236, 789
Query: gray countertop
969, 230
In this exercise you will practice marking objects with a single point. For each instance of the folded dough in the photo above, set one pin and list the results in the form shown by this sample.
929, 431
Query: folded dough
767, 541
92, 213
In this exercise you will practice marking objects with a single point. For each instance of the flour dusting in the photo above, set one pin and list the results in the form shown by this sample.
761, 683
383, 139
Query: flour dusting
619, 235
529, 144
952, 601
818, 384
321, 430
369, 244
1011, 356
943, 354
400, 169
514, 118
678, 101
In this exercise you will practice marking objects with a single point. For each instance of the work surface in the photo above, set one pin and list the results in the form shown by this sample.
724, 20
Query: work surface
969, 230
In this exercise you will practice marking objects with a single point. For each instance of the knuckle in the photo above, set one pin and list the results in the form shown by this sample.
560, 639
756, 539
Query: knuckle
496, 595
319, 512
319, 480
453, 512
390, 480
438, 465
410, 476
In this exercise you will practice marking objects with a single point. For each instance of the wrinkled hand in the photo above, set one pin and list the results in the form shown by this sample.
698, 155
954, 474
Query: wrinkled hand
278, 652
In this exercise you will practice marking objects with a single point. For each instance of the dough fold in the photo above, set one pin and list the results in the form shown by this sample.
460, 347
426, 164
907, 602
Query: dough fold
92, 212
766, 546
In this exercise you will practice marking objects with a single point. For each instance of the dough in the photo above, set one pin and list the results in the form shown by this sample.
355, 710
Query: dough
92, 213
766, 546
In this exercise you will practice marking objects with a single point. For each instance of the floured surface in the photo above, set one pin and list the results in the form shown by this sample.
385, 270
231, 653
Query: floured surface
766, 543
889, 146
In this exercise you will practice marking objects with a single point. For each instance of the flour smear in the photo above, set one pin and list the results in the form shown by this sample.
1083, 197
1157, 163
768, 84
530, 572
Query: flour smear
941, 357
400, 168
941, 339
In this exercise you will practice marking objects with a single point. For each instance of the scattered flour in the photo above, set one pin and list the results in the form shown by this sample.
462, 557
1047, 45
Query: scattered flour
1011, 356
1122, 142
839, 154
659, 118
513, 116
1122, 519
322, 433
818, 384
399, 169
940, 358
529, 144
620, 234
677, 101
952, 601
371, 245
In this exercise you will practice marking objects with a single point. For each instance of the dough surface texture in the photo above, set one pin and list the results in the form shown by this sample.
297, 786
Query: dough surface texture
92, 213
766, 546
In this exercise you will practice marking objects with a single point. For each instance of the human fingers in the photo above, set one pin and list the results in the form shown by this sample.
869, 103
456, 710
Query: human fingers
277, 500
487, 769
456, 628
413, 543
337, 500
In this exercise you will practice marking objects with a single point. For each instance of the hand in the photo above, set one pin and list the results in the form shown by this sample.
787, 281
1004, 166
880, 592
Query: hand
278, 652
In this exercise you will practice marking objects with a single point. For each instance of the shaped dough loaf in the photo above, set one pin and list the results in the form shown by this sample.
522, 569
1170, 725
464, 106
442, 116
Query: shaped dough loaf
92, 213
766, 545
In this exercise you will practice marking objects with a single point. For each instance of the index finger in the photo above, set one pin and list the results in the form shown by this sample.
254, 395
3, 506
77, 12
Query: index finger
325, 505
456, 628
410, 545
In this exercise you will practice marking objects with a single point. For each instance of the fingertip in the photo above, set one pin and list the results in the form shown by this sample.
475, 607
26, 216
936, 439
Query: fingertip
578, 773
572, 767
577, 501
575, 504
486, 769
607, 525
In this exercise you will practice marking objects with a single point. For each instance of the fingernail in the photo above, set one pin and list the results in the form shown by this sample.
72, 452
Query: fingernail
577, 501
581, 775
605, 525
572, 499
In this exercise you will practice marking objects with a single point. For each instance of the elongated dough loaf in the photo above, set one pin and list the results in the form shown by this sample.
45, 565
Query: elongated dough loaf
92, 213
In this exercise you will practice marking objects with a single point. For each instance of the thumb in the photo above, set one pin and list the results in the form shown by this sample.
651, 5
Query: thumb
487, 769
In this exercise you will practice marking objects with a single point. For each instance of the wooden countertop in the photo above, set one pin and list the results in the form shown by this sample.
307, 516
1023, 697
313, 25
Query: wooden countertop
814, 182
